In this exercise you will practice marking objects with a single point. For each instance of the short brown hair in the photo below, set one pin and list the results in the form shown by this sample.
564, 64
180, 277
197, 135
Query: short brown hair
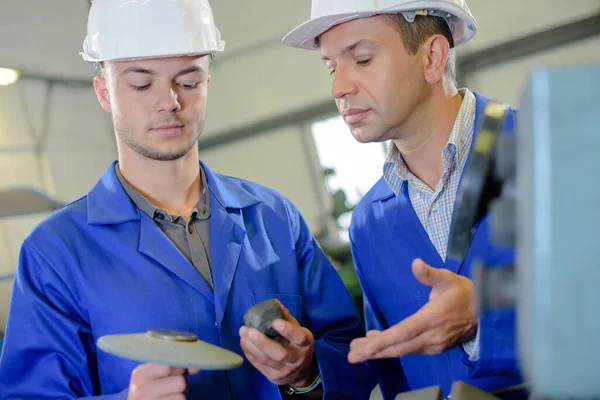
415, 33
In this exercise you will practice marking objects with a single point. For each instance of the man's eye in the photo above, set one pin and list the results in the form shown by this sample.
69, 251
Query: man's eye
189, 85
363, 62
140, 88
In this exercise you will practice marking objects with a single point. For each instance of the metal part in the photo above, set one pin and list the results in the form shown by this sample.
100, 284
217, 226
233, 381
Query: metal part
168, 334
172, 348
496, 286
463, 391
429, 393
557, 232
479, 185
261, 317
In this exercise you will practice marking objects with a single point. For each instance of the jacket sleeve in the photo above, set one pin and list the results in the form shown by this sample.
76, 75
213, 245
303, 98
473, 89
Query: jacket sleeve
330, 314
48, 352
389, 371
497, 345
497, 327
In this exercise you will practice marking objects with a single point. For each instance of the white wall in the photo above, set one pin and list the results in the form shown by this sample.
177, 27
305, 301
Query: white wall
78, 148
272, 79
506, 82
279, 159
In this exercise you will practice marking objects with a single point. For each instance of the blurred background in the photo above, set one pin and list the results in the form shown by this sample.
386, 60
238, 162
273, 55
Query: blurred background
270, 117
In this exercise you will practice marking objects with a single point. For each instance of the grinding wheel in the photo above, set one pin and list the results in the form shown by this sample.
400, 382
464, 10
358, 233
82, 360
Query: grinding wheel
173, 348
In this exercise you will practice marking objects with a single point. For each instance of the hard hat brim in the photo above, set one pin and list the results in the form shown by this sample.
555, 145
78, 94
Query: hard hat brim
93, 60
303, 36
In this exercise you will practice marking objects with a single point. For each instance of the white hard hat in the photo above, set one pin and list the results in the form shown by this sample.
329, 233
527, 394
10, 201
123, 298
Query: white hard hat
325, 14
135, 29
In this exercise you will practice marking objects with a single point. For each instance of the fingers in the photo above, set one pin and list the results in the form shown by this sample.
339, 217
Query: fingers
431, 276
264, 350
149, 371
153, 381
284, 360
424, 273
293, 332
416, 345
286, 314
289, 328
398, 336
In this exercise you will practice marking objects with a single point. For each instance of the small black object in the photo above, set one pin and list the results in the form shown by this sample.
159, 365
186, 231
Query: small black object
480, 184
261, 317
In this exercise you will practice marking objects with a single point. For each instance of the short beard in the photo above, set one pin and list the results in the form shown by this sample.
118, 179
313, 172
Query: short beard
155, 154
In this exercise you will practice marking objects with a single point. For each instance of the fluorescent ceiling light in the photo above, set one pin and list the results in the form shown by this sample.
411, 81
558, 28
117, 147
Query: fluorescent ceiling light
8, 76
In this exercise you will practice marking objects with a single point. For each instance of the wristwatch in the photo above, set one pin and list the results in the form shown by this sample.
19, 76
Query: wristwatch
288, 389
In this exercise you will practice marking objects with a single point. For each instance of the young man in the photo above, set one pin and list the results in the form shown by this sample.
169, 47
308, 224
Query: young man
393, 67
163, 242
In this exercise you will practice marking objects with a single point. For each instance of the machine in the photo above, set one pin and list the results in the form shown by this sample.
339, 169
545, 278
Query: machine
540, 188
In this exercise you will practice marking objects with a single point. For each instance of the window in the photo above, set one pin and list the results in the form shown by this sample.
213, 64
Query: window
350, 168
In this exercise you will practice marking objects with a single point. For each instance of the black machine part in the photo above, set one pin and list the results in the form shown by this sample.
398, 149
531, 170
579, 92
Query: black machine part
261, 317
480, 183
504, 208
488, 186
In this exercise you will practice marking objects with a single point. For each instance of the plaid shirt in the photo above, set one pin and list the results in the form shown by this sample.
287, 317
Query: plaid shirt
434, 207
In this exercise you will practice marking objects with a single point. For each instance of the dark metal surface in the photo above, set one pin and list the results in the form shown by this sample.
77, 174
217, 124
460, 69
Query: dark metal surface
168, 334
261, 317
479, 185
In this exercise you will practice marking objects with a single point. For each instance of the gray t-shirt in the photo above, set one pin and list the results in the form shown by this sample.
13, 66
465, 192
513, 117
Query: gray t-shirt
191, 237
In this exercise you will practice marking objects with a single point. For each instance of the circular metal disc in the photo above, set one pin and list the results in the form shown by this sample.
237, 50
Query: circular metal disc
177, 336
172, 348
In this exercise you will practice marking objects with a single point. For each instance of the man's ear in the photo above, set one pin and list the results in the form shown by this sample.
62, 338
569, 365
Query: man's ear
102, 93
436, 50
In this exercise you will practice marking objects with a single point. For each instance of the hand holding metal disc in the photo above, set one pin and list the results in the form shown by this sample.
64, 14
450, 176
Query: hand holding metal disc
174, 348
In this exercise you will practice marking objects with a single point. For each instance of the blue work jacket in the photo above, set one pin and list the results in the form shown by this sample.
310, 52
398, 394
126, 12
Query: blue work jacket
386, 236
100, 266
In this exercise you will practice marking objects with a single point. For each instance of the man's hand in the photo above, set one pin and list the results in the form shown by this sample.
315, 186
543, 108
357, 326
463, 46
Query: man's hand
154, 381
449, 318
287, 360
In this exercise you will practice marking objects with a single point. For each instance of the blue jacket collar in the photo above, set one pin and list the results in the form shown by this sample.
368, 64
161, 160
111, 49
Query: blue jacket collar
384, 192
108, 203
229, 192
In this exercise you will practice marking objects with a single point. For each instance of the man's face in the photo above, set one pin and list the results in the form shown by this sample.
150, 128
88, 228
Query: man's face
158, 105
377, 84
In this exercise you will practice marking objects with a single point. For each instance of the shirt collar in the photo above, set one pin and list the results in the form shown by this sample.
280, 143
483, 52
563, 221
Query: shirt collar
200, 211
395, 170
